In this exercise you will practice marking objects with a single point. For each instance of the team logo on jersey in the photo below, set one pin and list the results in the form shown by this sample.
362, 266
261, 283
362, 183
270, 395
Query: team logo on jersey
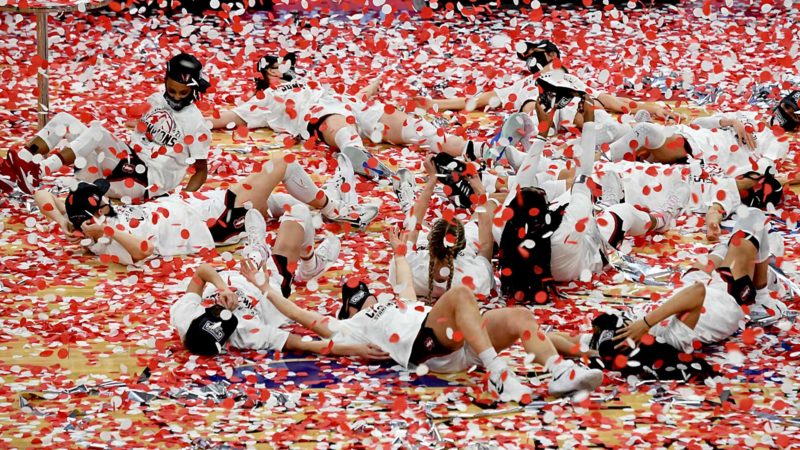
429, 344
161, 127
238, 223
128, 168
215, 330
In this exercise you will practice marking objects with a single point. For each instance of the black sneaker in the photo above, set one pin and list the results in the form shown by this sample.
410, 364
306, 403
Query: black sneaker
450, 172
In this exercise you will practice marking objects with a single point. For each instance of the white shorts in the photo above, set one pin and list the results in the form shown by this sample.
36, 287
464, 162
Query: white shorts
367, 117
458, 361
720, 319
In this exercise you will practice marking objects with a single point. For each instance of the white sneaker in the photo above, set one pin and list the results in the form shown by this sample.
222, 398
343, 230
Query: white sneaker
325, 255
405, 187
360, 216
642, 116
504, 383
517, 128
256, 248
672, 209
359, 161
570, 377
343, 179
613, 192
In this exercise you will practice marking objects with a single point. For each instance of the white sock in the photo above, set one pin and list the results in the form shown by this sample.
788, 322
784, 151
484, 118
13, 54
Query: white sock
555, 364
487, 356
329, 210
348, 137
51, 164
309, 265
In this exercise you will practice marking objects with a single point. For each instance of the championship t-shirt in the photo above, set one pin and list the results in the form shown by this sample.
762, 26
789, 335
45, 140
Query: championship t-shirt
258, 319
385, 325
171, 142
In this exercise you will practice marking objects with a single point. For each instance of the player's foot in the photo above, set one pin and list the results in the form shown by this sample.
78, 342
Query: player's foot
341, 187
27, 173
517, 128
405, 187
666, 216
364, 163
570, 377
256, 248
450, 172
325, 255
504, 383
359, 216
611, 184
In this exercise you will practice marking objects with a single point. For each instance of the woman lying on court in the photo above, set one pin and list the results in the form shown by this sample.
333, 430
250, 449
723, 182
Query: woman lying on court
447, 252
450, 336
182, 224
287, 104
230, 306
712, 305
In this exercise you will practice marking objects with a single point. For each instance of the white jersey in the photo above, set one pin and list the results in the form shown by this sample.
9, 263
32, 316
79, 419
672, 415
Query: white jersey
258, 319
289, 108
171, 142
649, 185
385, 325
721, 146
174, 225
471, 268
515, 95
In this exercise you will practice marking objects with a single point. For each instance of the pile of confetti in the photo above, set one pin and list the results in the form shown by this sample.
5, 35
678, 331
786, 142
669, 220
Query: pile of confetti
89, 358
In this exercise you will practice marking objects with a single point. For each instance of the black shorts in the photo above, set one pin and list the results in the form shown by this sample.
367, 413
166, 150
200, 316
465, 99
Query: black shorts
126, 169
314, 124
230, 222
426, 346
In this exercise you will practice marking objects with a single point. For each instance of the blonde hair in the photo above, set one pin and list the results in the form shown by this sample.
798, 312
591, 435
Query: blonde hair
441, 249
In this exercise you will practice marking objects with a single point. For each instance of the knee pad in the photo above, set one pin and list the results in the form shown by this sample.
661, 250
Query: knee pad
348, 137
301, 215
278, 203
752, 223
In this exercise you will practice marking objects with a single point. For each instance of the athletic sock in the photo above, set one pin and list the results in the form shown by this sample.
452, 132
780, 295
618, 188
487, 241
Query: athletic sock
661, 221
488, 356
329, 210
555, 364
309, 265
52, 163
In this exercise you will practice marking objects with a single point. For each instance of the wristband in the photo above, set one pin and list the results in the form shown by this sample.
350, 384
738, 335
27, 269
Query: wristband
644, 319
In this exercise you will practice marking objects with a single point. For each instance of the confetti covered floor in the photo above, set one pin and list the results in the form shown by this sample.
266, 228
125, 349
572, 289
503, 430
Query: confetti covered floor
87, 356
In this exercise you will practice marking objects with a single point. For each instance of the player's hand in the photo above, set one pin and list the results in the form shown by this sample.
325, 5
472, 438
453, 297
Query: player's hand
72, 236
664, 113
371, 352
251, 273
228, 299
745, 137
713, 231
93, 231
633, 331
430, 167
422, 102
397, 238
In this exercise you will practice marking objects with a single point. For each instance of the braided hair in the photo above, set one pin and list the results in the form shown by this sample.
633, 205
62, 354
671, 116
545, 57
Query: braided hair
525, 247
445, 242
